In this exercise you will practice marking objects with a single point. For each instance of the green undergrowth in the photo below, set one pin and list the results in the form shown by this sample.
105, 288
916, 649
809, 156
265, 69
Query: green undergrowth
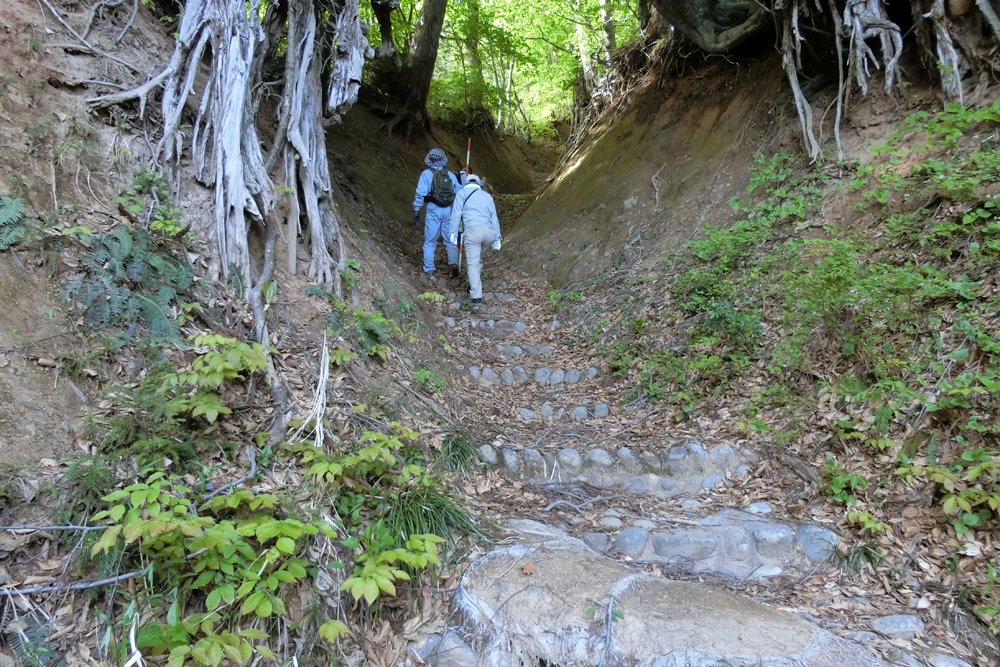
131, 278
219, 573
886, 326
369, 332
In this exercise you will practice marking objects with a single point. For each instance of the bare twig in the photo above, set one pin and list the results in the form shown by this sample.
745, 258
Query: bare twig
578, 508
10, 592
541, 437
656, 188
608, 625
128, 24
427, 401
87, 44
225, 487
52, 528
93, 14
17, 262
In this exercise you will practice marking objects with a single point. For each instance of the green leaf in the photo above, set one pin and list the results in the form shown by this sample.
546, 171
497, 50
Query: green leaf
371, 591
286, 544
214, 654
250, 604
213, 599
331, 630
264, 608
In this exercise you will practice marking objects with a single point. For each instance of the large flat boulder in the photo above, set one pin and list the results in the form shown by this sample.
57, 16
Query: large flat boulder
547, 598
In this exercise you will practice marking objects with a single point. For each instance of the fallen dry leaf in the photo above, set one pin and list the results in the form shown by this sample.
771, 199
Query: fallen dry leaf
527, 568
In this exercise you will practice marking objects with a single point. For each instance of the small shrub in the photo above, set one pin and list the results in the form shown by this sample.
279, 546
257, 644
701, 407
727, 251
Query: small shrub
162, 214
195, 392
428, 379
842, 485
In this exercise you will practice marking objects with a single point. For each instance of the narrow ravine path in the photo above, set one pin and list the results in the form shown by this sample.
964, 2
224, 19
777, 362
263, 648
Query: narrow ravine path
570, 457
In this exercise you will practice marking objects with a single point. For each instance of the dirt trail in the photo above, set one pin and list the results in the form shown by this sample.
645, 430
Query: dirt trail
678, 500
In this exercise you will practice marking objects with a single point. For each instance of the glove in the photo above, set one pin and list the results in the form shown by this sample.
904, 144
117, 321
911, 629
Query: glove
453, 239
416, 218
496, 245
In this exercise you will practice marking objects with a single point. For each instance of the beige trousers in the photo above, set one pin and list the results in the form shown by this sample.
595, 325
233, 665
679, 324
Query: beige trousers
474, 238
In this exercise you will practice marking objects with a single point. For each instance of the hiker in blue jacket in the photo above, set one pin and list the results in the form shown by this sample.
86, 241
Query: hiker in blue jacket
438, 187
475, 214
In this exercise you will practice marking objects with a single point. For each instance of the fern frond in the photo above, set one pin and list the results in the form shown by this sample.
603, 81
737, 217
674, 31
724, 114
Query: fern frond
11, 210
11, 234
178, 275
154, 312
124, 238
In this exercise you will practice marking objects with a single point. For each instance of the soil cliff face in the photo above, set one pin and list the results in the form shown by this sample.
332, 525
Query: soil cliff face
657, 169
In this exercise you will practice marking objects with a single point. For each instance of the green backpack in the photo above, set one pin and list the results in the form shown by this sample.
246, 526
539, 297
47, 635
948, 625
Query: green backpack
442, 192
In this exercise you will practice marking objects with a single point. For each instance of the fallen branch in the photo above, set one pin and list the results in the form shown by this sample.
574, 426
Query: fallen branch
250, 475
52, 528
578, 508
10, 592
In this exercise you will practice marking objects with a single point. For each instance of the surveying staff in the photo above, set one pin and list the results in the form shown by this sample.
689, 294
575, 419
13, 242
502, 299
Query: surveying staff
476, 215
438, 187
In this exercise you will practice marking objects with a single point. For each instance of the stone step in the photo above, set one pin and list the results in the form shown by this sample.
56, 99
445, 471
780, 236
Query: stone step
517, 375
733, 543
548, 413
515, 620
686, 467
496, 327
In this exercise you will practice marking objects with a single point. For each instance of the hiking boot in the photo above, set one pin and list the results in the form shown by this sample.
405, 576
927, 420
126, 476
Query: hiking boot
476, 302
454, 270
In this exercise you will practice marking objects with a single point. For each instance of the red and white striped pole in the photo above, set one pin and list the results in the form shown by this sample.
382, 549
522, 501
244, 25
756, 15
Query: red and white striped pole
461, 246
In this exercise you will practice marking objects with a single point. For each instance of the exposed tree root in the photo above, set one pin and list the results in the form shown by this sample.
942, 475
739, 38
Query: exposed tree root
225, 148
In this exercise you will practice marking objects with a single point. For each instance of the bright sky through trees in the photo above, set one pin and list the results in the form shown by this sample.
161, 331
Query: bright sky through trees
517, 59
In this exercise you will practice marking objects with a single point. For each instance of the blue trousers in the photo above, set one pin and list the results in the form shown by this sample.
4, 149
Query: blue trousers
436, 226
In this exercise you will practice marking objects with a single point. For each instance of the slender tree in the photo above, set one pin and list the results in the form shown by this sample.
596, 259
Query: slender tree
422, 57
608, 26
477, 83
583, 45
383, 14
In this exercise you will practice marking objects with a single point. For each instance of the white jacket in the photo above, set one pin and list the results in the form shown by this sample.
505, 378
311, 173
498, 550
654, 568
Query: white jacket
474, 206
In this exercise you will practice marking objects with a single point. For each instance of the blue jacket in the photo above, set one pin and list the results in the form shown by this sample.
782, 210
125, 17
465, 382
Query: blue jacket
424, 188
474, 206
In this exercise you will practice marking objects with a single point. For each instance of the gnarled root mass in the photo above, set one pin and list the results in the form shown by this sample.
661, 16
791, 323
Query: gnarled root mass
325, 41
951, 45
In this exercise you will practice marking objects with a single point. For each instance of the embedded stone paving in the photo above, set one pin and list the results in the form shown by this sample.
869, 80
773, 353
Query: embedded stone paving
680, 469
515, 360
565, 614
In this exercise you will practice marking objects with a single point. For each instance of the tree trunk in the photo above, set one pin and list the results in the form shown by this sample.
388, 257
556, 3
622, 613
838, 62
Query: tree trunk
423, 55
477, 84
608, 25
383, 13
589, 74
713, 30
642, 9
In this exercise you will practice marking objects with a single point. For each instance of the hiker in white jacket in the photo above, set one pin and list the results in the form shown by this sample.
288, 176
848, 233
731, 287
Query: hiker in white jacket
474, 212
